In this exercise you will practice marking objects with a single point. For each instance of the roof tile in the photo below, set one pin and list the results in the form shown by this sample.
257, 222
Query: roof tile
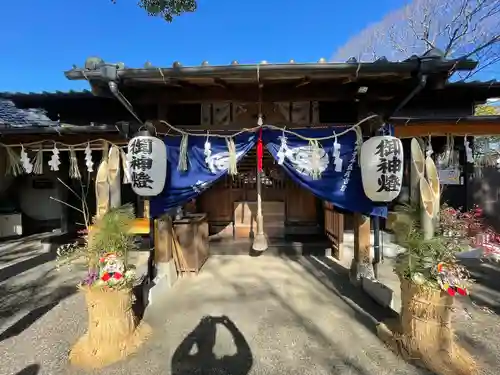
11, 116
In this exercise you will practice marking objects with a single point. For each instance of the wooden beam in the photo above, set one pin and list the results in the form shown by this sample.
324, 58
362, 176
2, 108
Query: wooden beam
18, 139
443, 129
270, 93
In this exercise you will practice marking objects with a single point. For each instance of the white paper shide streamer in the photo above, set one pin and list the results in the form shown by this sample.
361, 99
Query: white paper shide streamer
25, 161
54, 161
88, 158
428, 150
337, 160
283, 149
207, 150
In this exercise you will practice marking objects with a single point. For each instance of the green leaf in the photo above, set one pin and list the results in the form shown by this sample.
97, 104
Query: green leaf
167, 9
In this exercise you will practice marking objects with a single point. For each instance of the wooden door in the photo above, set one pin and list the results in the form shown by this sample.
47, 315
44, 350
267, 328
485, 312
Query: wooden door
334, 228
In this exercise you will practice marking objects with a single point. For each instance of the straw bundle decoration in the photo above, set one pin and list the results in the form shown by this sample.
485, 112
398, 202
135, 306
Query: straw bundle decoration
38, 162
114, 181
113, 330
74, 171
231, 148
426, 333
182, 165
14, 166
102, 186
126, 168
417, 170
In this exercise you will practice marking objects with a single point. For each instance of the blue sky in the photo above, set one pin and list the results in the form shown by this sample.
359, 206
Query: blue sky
42, 38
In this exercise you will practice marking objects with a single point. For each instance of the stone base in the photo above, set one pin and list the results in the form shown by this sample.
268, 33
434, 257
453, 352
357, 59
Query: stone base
360, 270
166, 277
381, 293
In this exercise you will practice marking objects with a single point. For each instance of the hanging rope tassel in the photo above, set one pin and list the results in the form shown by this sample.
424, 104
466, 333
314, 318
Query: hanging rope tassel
38, 162
126, 167
14, 167
231, 148
260, 152
74, 171
315, 148
468, 151
183, 161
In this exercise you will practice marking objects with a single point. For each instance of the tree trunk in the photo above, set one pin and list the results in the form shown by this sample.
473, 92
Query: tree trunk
113, 330
426, 332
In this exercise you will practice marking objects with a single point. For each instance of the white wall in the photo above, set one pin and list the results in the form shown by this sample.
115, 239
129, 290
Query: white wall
36, 203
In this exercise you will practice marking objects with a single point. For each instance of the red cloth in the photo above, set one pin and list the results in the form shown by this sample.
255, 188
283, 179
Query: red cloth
260, 151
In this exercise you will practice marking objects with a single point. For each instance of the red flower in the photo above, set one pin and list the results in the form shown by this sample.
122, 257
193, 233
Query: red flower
462, 292
117, 275
451, 291
105, 277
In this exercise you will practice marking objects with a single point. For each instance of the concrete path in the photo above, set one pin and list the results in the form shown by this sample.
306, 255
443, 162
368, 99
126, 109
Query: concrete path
284, 317
41, 313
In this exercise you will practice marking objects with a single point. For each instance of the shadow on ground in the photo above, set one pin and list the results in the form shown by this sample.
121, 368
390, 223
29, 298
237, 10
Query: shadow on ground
32, 287
336, 279
486, 291
339, 358
30, 370
196, 353
33, 297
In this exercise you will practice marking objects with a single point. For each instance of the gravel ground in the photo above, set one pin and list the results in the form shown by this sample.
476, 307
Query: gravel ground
295, 317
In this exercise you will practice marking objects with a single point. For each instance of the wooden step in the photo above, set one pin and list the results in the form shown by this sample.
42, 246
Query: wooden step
248, 231
245, 211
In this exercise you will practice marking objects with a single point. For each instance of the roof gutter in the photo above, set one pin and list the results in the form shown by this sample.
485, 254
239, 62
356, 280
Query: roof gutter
113, 87
420, 86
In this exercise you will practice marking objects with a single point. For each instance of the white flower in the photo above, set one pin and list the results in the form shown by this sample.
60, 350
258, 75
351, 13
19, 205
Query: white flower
418, 278
130, 274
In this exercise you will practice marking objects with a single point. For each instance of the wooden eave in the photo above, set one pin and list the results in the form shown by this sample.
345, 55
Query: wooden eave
423, 127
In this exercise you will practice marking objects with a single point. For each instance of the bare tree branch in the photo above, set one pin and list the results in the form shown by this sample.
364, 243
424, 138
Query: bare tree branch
459, 28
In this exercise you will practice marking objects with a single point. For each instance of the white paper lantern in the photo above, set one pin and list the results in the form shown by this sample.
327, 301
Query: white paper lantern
381, 162
147, 156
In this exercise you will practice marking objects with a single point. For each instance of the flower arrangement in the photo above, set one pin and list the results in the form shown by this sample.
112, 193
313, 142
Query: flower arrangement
105, 247
432, 262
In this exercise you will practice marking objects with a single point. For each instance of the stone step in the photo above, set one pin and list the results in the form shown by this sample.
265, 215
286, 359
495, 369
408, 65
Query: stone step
277, 247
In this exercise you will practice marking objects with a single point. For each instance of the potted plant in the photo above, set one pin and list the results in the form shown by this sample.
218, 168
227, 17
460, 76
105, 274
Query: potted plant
113, 329
431, 278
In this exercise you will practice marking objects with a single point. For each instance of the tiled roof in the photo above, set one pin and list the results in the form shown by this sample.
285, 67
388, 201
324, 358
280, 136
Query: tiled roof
11, 116
433, 61
59, 94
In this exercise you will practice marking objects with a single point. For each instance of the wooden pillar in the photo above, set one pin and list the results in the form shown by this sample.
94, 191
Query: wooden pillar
361, 265
334, 230
163, 239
